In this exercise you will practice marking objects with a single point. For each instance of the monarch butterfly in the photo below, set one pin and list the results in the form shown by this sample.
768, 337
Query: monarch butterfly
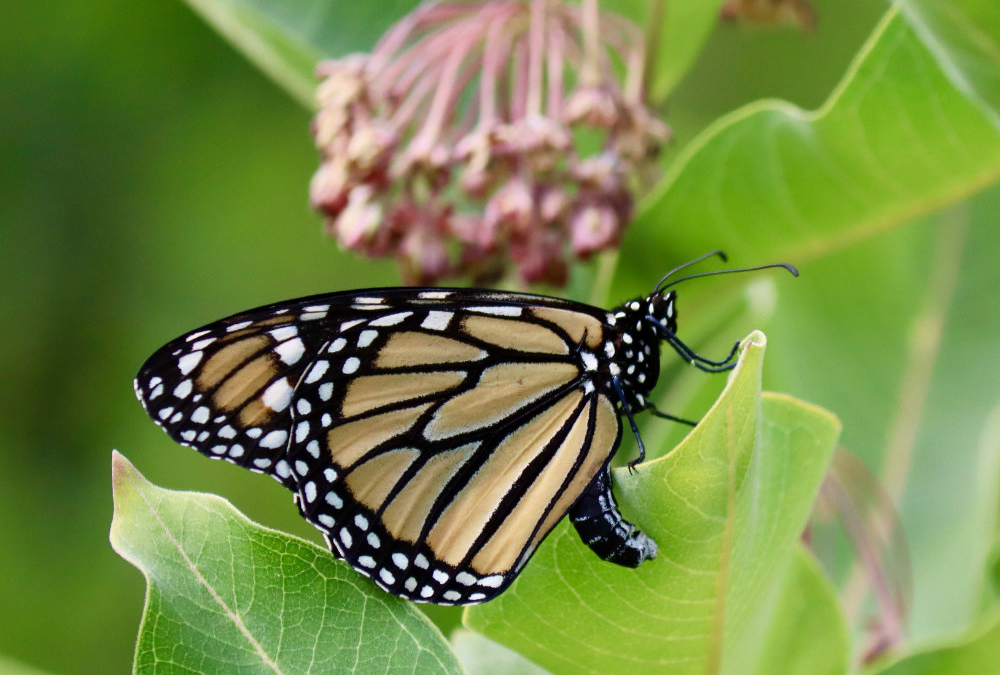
434, 436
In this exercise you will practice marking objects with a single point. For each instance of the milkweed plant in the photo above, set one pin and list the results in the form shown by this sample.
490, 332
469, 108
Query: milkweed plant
521, 142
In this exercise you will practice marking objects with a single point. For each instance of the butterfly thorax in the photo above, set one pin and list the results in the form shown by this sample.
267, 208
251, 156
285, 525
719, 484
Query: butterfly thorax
632, 344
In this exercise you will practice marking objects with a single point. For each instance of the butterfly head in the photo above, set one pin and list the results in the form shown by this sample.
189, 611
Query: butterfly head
661, 309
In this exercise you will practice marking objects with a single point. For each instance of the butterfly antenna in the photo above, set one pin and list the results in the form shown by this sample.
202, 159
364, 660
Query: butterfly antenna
786, 266
697, 260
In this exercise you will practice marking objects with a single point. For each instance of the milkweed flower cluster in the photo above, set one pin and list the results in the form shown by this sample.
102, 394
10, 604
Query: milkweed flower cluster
481, 132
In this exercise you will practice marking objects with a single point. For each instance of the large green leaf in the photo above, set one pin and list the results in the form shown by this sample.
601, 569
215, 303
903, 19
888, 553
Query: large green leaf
976, 653
726, 507
482, 656
801, 628
225, 595
893, 322
895, 140
964, 37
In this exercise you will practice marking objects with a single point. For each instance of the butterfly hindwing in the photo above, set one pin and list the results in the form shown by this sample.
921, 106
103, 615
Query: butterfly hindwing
427, 470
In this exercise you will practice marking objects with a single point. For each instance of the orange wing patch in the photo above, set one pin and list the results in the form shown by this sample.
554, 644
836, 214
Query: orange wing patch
413, 348
514, 334
575, 324
453, 535
500, 392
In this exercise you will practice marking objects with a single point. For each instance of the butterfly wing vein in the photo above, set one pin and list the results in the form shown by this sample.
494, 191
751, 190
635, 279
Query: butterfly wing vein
435, 442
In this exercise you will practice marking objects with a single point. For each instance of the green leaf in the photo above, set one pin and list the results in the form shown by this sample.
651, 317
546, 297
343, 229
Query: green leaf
226, 595
894, 140
726, 507
893, 322
801, 628
976, 653
482, 656
964, 36
287, 39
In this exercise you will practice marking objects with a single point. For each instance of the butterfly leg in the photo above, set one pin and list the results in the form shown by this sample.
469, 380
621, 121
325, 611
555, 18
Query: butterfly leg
601, 527
635, 430
691, 356
667, 416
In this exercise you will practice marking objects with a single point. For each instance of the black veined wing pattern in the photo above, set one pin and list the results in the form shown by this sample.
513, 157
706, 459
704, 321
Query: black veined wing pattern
434, 436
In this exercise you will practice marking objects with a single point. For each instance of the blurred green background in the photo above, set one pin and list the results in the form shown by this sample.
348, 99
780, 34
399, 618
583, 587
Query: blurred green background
153, 181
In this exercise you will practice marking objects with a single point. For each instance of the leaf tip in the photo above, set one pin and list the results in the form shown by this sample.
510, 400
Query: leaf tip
122, 473
755, 339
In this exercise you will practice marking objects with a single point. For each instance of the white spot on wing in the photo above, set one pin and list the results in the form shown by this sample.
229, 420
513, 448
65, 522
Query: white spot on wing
201, 344
187, 362
291, 351
183, 389
278, 395
436, 320
317, 371
274, 439
367, 337
238, 326
498, 310
284, 333
301, 431
391, 319
351, 365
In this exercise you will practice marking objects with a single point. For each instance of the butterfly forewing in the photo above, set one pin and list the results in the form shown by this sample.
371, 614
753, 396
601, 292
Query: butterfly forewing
435, 437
